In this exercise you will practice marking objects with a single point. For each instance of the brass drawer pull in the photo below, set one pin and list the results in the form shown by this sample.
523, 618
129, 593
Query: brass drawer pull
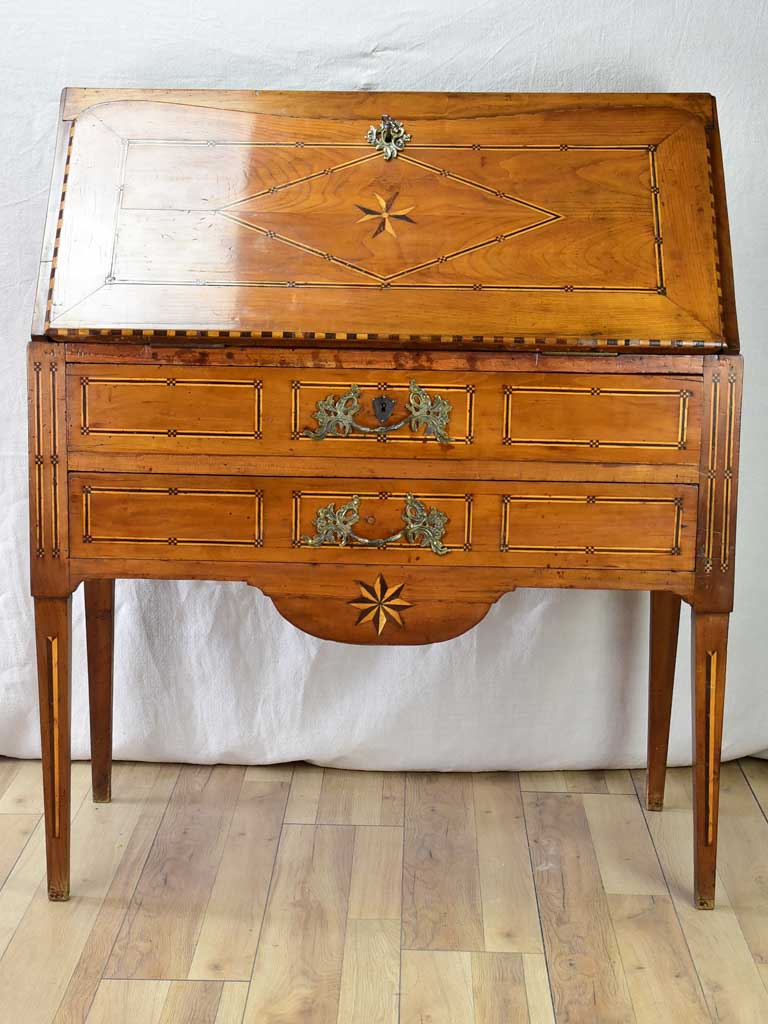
336, 526
336, 416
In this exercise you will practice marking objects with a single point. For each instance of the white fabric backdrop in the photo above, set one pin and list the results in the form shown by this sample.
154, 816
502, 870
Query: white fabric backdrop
209, 672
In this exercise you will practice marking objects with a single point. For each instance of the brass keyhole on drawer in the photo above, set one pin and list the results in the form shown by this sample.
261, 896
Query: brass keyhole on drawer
370, 520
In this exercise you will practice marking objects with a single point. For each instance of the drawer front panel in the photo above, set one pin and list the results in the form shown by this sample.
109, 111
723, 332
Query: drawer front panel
170, 517
575, 525
570, 415
541, 416
171, 409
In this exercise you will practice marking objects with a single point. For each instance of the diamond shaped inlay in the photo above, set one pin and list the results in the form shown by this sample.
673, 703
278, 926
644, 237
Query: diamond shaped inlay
446, 214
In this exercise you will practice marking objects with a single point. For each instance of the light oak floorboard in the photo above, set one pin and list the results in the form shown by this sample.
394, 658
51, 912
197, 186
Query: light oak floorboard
756, 771
98, 946
377, 874
23, 880
371, 973
327, 948
304, 796
15, 832
660, 973
586, 782
269, 773
510, 914
442, 906
729, 977
742, 857
540, 1010
618, 781
586, 973
351, 798
161, 928
437, 988
8, 770
498, 989
24, 794
297, 973
543, 782
625, 853
129, 1002
232, 1002
230, 930
191, 1002
36, 951
393, 798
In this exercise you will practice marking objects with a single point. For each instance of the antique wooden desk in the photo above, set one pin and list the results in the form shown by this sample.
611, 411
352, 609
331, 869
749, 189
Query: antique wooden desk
385, 357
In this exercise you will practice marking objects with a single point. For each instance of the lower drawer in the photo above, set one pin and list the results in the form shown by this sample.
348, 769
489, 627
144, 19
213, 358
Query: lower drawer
488, 523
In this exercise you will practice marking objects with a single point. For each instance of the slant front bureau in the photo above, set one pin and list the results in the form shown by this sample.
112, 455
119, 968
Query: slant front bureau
385, 357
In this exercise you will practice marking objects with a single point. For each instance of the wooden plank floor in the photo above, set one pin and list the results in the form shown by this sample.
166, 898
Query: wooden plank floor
292, 894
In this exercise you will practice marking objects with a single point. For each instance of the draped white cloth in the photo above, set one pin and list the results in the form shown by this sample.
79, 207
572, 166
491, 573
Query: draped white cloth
209, 672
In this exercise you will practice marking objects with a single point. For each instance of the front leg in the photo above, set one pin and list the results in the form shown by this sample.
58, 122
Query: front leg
665, 623
709, 640
53, 628
99, 630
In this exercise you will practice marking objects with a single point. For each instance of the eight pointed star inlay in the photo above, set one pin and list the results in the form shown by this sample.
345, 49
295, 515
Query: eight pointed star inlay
386, 214
380, 603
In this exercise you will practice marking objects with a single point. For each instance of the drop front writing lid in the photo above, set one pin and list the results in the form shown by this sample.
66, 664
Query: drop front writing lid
397, 218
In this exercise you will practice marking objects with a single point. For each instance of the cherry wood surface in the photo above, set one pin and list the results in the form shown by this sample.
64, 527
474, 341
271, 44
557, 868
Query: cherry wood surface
218, 268
585, 219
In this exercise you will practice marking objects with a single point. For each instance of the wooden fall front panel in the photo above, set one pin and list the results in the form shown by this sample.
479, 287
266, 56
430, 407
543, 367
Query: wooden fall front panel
386, 370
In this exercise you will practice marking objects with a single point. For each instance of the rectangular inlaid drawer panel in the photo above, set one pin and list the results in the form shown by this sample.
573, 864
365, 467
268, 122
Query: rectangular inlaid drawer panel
542, 416
599, 525
171, 408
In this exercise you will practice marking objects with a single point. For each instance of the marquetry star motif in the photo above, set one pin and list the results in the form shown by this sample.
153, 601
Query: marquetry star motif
379, 603
385, 214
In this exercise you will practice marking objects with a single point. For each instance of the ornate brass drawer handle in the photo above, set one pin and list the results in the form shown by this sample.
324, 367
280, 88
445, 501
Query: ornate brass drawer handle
422, 526
336, 416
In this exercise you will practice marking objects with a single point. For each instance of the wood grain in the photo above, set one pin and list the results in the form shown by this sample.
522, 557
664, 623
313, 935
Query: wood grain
377, 874
442, 903
229, 935
129, 1002
624, 851
498, 989
100, 641
183, 860
328, 881
540, 1010
298, 974
296, 184
351, 798
586, 972
437, 986
661, 977
36, 950
371, 973
505, 866
664, 629
743, 858
85, 981
304, 795
729, 977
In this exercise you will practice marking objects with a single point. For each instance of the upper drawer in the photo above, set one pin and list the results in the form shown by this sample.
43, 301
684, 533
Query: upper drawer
585, 417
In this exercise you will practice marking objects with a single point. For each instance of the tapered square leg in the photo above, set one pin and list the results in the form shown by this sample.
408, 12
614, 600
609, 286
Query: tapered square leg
53, 628
665, 624
100, 634
709, 640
